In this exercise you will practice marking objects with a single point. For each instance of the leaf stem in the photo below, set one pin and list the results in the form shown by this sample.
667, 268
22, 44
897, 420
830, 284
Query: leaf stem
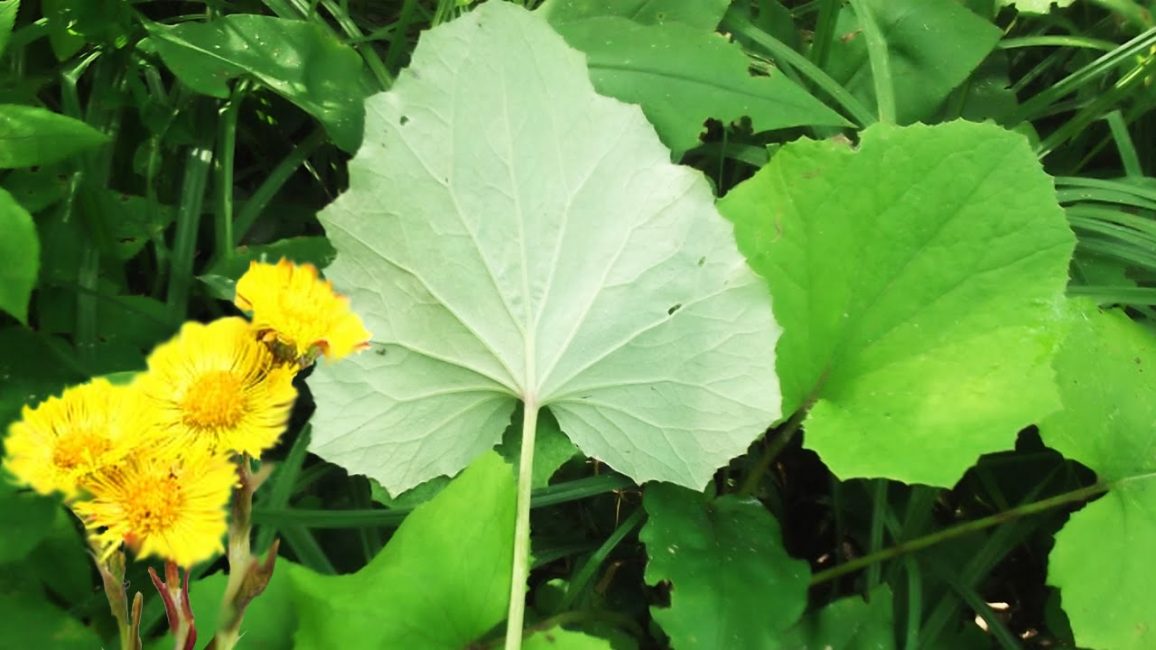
965, 528
521, 567
772, 451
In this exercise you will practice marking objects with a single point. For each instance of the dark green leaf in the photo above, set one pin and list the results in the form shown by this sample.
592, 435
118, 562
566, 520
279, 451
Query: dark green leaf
25, 517
682, 76
72, 23
703, 15
221, 278
29, 623
32, 367
732, 583
933, 45
35, 136
301, 61
847, 624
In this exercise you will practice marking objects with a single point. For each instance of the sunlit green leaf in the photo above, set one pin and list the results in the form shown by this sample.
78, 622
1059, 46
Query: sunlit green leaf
918, 280
510, 234
20, 252
1106, 370
441, 582
732, 584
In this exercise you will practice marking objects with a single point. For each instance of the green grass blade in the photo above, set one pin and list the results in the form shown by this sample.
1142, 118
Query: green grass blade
852, 108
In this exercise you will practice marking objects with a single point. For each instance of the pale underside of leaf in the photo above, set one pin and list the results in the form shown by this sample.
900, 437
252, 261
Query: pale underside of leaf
509, 234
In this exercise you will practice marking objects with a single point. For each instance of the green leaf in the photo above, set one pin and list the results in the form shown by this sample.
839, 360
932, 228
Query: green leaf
301, 61
551, 447
20, 250
29, 623
72, 23
441, 582
8, 10
681, 76
848, 624
37, 188
732, 583
933, 45
32, 368
1106, 370
703, 15
535, 243
918, 280
132, 221
26, 519
35, 136
561, 639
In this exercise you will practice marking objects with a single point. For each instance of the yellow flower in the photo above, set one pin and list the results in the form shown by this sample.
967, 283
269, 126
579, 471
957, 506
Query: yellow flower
161, 502
300, 311
216, 384
58, 444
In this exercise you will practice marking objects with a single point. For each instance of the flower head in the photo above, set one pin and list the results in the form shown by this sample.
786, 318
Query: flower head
217, 385
58, 444
169, 503
299, 311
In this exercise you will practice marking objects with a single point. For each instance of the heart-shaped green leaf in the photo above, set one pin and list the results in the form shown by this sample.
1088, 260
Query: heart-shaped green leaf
439, 584
1106, 370
918, 280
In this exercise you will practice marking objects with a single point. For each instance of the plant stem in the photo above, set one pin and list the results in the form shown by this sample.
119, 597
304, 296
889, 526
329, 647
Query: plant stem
976, 525
772, 451
247, 577
112, 577
521, 567
175, 592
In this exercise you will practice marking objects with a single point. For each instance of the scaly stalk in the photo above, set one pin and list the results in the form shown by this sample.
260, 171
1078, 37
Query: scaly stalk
247, 576
175, 592
112, 577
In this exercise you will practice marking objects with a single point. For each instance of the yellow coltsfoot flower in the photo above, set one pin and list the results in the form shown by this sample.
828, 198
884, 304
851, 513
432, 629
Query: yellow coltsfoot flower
217, 385
58, 444
299, 312
161, 502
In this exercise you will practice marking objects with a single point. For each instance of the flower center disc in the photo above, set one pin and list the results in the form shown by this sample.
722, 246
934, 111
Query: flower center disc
78, 448
215, 401
153, 507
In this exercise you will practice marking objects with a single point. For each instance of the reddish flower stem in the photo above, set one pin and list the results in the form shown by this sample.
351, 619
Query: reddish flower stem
175, 593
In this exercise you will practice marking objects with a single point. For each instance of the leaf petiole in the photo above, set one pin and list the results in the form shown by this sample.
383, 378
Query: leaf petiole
521, 568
